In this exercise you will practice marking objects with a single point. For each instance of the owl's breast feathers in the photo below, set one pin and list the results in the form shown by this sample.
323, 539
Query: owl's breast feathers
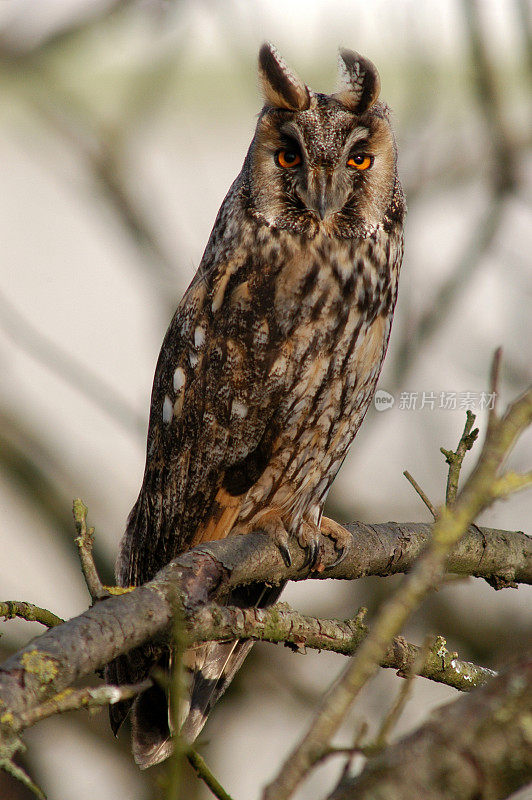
264, 377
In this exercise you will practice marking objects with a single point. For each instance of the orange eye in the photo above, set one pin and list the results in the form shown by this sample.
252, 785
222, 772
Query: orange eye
287, 158
360, 161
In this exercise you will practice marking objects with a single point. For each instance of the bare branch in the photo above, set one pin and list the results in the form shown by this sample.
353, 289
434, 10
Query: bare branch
280, 624
479, 743
85, 541
120, 623
396, 709
454, 458
202, 771
19, 775
9, 609
433, 510
176, 691
76, 699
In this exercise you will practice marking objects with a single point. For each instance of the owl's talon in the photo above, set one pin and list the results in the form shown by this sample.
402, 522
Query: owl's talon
339, 559
308, 537
273, 525
285, 552
341, 537
312, 554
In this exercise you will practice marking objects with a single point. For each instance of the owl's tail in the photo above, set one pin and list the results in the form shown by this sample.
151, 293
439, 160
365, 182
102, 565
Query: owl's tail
211, 667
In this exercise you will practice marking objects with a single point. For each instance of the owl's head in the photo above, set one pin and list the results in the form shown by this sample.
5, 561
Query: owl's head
321, 161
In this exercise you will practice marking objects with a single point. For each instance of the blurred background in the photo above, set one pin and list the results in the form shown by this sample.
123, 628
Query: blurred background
122, 125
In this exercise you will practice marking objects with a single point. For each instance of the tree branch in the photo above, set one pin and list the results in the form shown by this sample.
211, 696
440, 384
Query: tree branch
426, 574
75, 699
85, 542
419, 491
280, 624
9, 609
63, 655
202, 771
454, 458
479, 743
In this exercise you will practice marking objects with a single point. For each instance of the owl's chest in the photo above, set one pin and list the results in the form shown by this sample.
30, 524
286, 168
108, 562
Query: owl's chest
334, 377
333, 307
335, 313
318, 419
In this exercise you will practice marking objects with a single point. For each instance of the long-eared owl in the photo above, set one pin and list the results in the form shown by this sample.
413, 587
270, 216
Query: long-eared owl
271, 360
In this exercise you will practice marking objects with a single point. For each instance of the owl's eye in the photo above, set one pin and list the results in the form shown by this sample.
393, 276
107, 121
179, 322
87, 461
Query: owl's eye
360, 161
287, 158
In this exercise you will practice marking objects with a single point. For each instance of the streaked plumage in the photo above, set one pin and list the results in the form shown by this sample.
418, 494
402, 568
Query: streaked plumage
272, 357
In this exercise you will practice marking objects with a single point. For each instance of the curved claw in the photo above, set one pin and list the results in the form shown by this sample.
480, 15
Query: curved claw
285, 552
312, 554
339, 559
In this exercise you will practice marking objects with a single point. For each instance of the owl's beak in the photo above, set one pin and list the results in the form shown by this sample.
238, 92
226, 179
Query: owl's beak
319, 196
322, 206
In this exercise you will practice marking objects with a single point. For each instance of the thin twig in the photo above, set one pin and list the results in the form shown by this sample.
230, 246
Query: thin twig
510, 483
495, 373
85, 541
478, 744
176, 694
16, 772
202, 771
354, 750
454, 458
396, 709
76, 699
433, 510
9, 609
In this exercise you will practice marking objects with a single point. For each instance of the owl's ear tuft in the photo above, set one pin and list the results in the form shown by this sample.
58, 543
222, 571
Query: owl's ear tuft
280, 86
358, 81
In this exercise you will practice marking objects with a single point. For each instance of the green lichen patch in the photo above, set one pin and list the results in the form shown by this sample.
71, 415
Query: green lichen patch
41, 665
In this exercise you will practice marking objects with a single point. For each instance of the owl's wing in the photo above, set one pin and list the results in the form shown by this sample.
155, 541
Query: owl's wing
215, 394
214, 400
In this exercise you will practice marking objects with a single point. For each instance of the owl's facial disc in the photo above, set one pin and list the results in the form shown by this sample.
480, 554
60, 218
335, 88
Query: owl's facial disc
320, 173
322, 168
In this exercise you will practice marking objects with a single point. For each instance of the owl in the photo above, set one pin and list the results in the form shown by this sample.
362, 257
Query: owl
270, 362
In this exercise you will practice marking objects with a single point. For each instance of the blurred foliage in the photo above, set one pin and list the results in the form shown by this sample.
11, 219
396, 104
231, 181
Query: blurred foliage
93, 91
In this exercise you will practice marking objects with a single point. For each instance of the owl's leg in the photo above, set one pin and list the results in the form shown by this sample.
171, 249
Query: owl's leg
341, 537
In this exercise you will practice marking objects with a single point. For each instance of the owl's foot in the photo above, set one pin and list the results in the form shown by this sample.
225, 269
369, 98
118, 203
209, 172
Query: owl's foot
308, 537
273, 525
341, 537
